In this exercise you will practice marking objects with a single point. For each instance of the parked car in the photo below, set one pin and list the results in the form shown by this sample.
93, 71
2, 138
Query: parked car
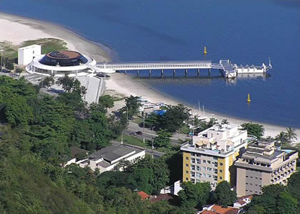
139, 133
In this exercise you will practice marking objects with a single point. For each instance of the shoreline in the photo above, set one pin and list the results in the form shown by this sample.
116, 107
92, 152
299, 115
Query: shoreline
118, 83
33, 29
127, 86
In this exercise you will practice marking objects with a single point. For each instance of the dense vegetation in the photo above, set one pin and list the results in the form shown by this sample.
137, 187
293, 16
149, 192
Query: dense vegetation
37, 132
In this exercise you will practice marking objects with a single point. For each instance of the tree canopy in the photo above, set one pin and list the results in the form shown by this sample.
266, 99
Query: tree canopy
194, 195
254, 129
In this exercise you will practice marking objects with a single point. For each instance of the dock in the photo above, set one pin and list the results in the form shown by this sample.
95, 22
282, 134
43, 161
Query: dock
227, 69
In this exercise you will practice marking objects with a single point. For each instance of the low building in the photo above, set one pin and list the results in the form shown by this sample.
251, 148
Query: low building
143, 195
263, 164
243, 201
109, 157
28, 53
211, 154
216, 209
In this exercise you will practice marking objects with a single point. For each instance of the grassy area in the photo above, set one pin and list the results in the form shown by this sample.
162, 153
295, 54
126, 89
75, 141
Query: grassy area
184, 129
127, 139
138, 120
132, 140
10, 51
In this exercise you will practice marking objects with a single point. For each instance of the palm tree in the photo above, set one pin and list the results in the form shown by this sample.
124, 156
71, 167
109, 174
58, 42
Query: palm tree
282, 137
224, 121
290, 134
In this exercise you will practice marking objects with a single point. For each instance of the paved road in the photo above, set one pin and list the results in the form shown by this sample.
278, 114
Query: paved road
148, 151
176, 138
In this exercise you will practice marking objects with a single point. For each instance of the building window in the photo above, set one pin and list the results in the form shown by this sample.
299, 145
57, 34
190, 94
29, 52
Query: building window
187, 165
198, 161
208, 162
221, 164
187, 172
204, 161
246, 176
221, 170
193, 160
186, 158
246, 183
193, 174
193, 167
203, 168
186, 179
198, 168
216, 178
193, 180
221, 178
215, 158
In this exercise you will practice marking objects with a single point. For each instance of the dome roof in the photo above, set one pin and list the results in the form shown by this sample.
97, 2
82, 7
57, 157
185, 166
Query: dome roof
63, 58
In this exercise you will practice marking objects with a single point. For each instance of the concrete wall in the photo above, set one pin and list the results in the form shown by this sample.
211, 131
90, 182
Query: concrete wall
27, 54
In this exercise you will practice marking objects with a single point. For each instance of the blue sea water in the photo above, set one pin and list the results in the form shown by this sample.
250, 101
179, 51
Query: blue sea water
246, 32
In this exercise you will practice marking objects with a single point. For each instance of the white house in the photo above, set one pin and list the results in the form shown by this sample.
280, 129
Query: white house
28, 53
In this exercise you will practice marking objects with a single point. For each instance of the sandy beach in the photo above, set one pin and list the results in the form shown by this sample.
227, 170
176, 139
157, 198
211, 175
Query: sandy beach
18, 29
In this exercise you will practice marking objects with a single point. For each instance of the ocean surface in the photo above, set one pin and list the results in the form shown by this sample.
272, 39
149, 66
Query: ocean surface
246, 32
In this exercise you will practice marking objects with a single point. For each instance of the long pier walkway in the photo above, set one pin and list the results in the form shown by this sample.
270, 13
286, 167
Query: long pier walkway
227, 69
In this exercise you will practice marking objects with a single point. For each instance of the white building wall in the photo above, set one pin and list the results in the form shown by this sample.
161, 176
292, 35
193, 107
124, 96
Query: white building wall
28, 53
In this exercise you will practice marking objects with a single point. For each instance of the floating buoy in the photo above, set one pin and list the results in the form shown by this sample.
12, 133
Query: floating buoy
205, 51
248, 100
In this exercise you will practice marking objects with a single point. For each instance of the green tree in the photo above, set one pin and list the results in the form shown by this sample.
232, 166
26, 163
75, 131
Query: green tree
287, 203
132, 105
194, 195
47, 82
282, 137
224, 195
254, 129
268, 201
106, 101
163, 139
224, 121
19, 70
294, 185
291, 134
15, 107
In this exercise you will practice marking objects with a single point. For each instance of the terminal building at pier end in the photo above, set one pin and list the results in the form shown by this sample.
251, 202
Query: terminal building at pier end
60, 63
211, 154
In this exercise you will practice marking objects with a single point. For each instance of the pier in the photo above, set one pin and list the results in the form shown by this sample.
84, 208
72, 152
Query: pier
227, 69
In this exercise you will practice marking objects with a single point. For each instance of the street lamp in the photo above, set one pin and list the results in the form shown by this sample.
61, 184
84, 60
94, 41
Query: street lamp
1, 59
122, 138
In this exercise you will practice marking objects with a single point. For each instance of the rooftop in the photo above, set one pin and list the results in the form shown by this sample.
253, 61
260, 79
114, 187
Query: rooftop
216, 209
114, 152
143, 195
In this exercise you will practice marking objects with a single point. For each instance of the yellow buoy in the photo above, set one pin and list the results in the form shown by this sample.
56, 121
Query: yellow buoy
204, 51
248, 100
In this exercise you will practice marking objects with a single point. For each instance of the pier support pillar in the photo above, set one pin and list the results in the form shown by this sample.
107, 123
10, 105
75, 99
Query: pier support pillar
198, 72
209, 72
174, 73
125, 72
185, 72
150, 73
162, 73
137, 73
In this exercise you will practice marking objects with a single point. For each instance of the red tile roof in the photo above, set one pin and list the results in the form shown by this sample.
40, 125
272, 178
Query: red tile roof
143, 195
216, 209
161, 197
